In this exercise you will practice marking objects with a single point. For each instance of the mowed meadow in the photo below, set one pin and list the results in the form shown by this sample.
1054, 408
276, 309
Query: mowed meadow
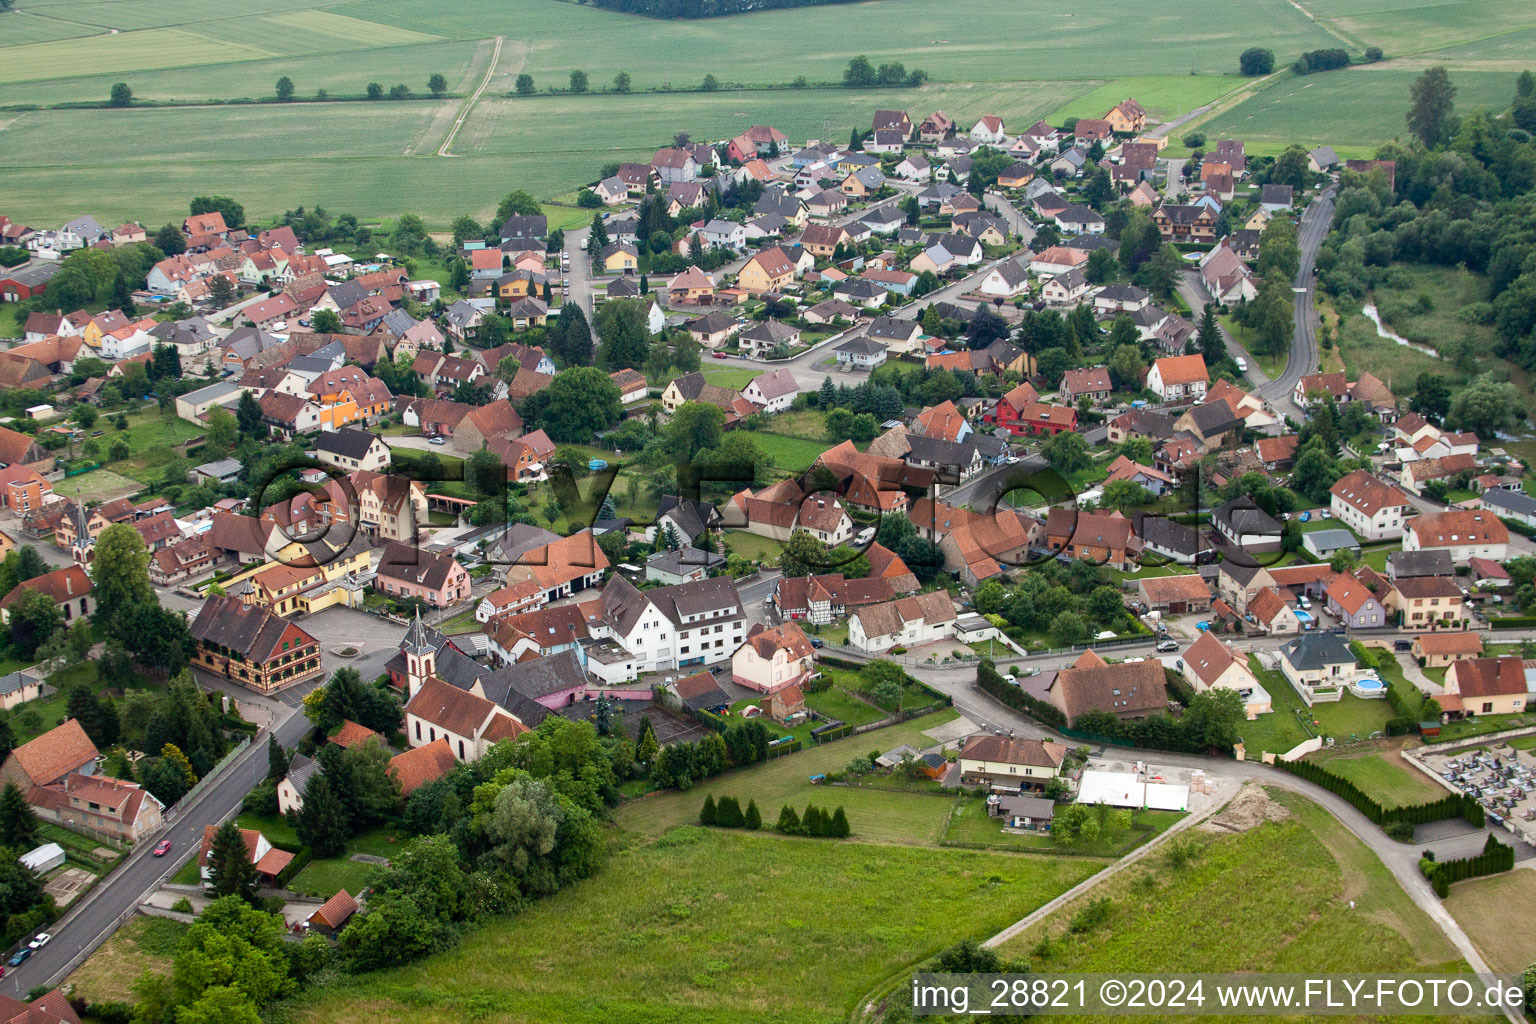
1021, 59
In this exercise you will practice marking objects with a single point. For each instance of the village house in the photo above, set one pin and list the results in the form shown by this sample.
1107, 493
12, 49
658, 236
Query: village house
412, 573
252, 646
1466, 534
1103, 538
1129, 690
1210, 664
1373, 509
69, 588
349, 449
1487, 686
1317, 661
772, 659
1439, 650
267, 859
1427, 602
907, 622
1353, 603
1005, 764
1175, 378
1091, 383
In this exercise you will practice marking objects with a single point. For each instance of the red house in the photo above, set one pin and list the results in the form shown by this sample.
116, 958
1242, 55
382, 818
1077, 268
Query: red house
1021, 412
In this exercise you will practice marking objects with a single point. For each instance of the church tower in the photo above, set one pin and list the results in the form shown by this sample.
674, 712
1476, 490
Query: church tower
420, 656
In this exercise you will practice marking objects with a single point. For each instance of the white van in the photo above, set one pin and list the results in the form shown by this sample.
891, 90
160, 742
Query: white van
1242, 365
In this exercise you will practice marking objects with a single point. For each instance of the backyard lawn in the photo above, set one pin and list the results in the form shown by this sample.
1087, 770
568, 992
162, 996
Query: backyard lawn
1382, 776
753, 547
786, 779
836, 702
792, 454
971, 826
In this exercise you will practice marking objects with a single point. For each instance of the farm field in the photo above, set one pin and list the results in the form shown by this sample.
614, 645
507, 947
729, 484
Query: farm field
378, 159
1353, 110
1272, 898
797, 950
373, 159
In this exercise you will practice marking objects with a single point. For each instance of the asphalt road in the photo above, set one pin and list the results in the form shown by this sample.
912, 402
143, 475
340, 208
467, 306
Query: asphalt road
1303, 358
106, 906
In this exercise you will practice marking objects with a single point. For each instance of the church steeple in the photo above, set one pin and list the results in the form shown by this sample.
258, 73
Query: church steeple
420, 656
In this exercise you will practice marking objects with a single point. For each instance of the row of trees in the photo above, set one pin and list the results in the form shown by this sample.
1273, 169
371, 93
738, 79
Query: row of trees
679, 765
1449, 806
728, 813
1496, 858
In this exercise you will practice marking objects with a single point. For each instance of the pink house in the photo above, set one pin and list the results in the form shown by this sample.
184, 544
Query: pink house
409, 572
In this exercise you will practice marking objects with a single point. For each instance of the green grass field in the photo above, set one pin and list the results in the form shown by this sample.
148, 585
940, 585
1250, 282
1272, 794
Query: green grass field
1386, 779
793, 454
1275, 898
730, 927
1400, 306
1352, 110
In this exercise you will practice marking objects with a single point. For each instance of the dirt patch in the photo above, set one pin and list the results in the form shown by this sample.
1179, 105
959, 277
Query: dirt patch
1251, 808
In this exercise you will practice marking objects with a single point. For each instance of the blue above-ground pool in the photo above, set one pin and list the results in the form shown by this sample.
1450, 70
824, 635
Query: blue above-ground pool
1370, 684
1305, 618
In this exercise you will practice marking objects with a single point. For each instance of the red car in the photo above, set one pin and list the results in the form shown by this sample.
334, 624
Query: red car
162, 848
718, 355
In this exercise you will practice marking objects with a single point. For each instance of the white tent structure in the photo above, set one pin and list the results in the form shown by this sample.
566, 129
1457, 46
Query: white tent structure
1125, 789
43, 859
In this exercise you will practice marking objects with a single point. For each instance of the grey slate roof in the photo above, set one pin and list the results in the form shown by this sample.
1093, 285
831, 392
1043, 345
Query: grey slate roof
347, 443
1311, 652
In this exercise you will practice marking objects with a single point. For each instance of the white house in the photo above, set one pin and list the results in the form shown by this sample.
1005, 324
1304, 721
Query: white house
774, 391
773, 659
1178, 377
988, 130
1005, 280
666, 628
1464, 533
906, 622
1373, 509
1211, 664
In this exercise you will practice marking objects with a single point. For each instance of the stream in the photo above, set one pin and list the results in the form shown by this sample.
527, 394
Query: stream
1382, 331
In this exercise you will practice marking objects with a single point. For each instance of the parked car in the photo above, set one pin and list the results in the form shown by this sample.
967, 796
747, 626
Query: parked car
162, 848
19, 958
437, 441
1167, 646
40, 941
817, 641
1402, 645
718, 355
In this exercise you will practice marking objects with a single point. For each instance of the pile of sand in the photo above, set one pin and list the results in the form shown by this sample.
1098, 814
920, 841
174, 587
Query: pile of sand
1251, 808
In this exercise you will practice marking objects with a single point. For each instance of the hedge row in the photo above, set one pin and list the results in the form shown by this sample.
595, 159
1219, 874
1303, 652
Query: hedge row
1513, 622
992, 683
1495, 858
728, 813
1451, 805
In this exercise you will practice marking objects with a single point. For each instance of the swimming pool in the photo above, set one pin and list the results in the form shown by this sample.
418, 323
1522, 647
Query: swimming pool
1368, 688
1369, 684
1305, 618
